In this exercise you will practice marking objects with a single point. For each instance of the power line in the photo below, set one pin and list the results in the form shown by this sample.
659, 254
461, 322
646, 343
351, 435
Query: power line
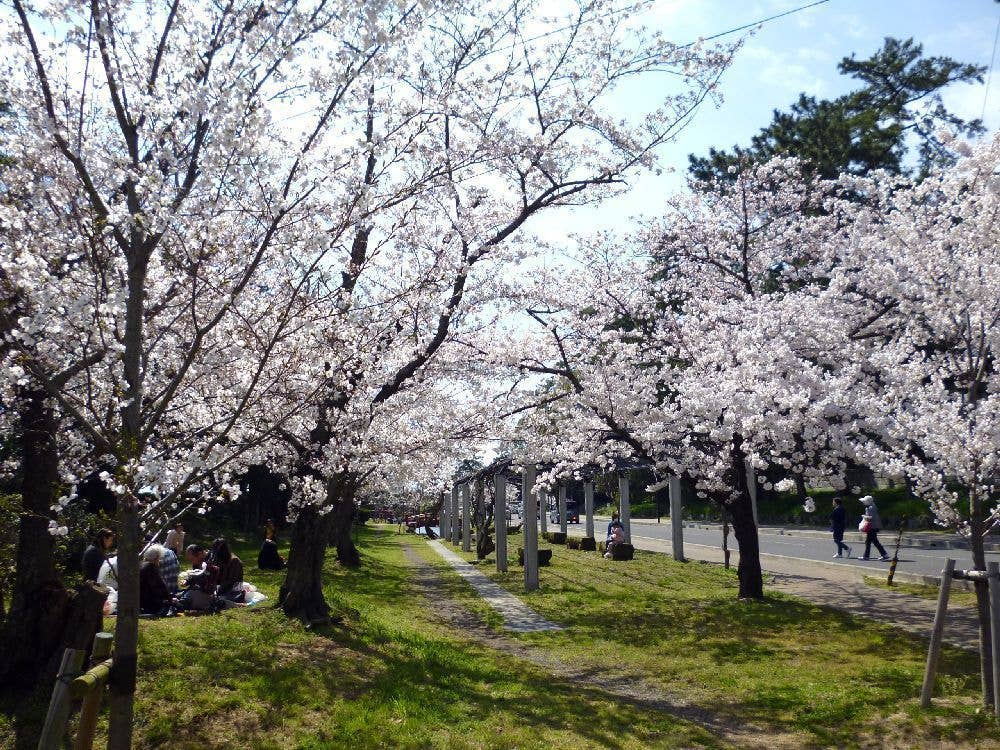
989, 73
762, 21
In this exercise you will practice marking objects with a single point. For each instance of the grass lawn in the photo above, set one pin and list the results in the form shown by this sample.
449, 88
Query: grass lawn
836, 679
956, 597
389, 676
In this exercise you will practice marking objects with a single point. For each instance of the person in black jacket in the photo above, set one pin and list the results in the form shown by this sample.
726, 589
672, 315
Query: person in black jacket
838, 522
96, 553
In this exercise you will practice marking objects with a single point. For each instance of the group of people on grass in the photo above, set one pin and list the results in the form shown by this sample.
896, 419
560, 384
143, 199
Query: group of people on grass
214, 581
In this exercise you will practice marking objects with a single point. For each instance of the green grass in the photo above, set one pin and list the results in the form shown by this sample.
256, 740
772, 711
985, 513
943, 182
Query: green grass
389, 676
838, 680
956, 597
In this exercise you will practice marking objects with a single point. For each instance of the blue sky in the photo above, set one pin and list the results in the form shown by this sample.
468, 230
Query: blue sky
799, 53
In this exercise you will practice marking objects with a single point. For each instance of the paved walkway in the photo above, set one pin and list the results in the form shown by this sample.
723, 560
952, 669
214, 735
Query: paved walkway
842, 587
517, 616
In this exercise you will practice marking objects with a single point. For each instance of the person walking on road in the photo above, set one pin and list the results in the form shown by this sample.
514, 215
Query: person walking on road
838, 522
871, 525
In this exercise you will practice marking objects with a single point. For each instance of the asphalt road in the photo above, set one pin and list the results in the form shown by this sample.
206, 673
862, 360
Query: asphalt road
920, 561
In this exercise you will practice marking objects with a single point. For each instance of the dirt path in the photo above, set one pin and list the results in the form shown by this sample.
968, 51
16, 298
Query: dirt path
732, 730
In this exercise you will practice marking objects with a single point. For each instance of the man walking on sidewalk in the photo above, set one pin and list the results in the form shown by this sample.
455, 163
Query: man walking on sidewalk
838, 522
871, 524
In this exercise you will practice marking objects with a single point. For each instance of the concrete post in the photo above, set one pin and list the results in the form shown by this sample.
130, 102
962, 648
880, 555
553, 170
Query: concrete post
530, 528
466, 520
562, 508
543, 510
444, 519
456, 520
676, 518
752, 488
993, 568
588, 506
500, 519
625, 512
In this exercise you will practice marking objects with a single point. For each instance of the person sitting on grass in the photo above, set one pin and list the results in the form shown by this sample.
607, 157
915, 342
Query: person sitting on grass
170, 568
201, 586
230, 585
617, 537
97, 553
615, 523
268, 557
154, 597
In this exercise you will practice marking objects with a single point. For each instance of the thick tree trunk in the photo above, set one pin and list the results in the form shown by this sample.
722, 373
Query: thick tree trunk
121, 685
301, 594
745, 529
800, 488
38, 595
341, 498
982, 598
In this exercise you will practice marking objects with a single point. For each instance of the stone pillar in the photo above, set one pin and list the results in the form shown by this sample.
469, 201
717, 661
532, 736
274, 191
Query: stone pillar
543, 510
530, 527
588, 506
456, 519
625, 511
562, 508
500, 519
466, 520
444, 517
676, 518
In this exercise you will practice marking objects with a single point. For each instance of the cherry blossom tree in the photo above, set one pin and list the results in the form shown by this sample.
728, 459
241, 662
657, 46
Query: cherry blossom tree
920, 282
501, 113
689, 345
163, 177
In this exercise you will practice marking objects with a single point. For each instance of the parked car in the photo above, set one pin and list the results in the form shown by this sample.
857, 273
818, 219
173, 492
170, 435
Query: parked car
572, 514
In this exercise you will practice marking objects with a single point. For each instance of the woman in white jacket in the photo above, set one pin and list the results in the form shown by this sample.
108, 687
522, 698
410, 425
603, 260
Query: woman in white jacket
871, 524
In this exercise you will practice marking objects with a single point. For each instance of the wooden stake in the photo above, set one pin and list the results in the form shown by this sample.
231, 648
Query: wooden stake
895, 555
58, 715
92, 699
934, 650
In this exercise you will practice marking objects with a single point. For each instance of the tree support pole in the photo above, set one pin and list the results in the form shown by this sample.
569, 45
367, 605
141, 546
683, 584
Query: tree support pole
934, 650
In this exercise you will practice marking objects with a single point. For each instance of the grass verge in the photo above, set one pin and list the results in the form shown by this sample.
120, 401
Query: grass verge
956, 597
837, 679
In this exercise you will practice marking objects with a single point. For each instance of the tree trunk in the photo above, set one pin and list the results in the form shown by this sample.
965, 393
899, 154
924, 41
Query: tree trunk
482, 516
301, 594
341, 498
745, 529
982, 597
800, 488
121, 701
38, 593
